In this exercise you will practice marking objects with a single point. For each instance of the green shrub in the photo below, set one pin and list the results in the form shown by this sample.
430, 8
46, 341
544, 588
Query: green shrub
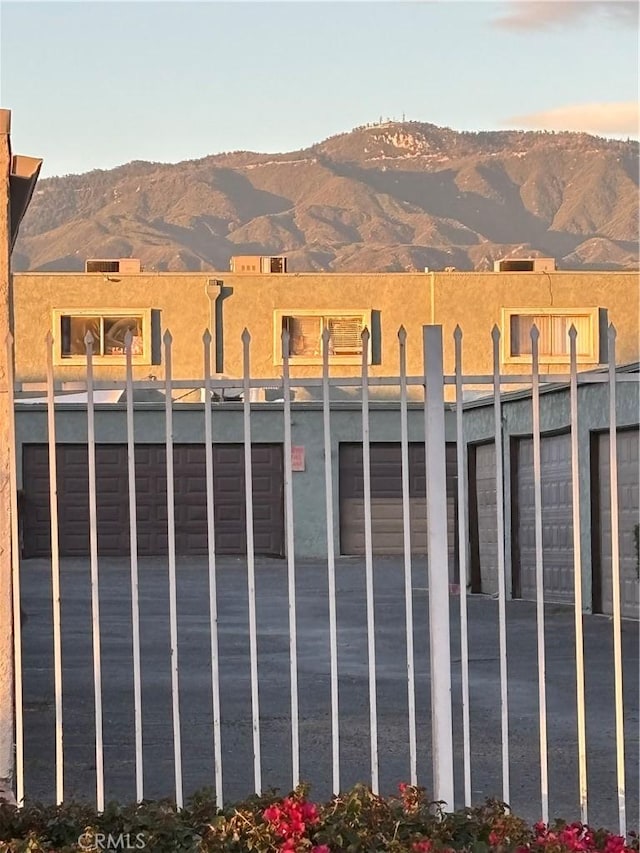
355, 822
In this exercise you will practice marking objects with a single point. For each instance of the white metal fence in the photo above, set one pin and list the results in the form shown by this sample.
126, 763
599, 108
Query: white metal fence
434, 383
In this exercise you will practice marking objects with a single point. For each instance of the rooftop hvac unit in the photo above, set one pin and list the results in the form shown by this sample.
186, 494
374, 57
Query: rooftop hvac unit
111, 265
273, 265
525, 265
258, 264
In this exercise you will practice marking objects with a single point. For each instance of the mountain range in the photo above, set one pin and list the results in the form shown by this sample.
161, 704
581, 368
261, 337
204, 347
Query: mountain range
385, 197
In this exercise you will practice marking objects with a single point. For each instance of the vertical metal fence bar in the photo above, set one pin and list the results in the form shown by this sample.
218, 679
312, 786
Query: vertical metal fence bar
15, 579
211, 550
291, 561
251, 571
408, 580
537, 500
95, 584
502, 609
368, 558
577, 578
615, 581
55, 569
171, 551
331, 564
133, 547
438, 568
462, 556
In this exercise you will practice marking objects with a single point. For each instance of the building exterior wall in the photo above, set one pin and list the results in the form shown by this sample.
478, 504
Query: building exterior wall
475, 302
180, 303
6, 611
267, 425
593, 415
188, 303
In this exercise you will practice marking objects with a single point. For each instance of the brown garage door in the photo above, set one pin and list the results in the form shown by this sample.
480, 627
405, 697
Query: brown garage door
386, 499
151, 488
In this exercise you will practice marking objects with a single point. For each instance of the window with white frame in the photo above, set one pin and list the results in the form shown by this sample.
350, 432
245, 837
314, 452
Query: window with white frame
306, 327
108, 328
554, 342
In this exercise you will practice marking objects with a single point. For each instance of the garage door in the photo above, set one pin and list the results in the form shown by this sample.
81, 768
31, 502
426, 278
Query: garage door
557, 522
151, 487
483, 519
386, 499
629, 516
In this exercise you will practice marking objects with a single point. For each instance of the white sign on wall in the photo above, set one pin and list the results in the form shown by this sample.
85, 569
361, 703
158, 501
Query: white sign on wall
297, 457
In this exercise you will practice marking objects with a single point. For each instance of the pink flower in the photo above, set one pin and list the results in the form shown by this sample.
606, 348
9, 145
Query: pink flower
310, 812
272, 814
320, 848
615, 844
289, 820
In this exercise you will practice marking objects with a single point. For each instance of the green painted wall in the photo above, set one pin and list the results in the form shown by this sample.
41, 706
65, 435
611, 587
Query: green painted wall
267, 425
346, 425
517, 420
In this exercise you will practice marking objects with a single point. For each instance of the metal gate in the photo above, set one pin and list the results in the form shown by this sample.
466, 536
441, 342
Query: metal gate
342, 651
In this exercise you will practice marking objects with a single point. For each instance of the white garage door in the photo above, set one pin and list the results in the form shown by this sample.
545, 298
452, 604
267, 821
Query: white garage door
486, 533
629, 517
386, 500
557, 526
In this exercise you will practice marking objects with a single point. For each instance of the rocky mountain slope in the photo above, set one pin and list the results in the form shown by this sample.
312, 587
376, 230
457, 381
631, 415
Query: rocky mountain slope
387, 197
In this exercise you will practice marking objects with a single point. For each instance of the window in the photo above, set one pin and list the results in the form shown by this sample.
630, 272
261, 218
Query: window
305, 330
553, 325
108, 329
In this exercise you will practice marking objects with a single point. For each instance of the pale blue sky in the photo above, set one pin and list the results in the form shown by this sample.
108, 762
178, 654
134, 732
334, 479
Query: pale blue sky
94, 85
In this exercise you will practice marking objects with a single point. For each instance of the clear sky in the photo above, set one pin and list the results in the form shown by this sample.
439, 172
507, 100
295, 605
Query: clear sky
97, 84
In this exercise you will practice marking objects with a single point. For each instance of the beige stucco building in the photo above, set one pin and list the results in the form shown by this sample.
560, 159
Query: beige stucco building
69, 304
110, 302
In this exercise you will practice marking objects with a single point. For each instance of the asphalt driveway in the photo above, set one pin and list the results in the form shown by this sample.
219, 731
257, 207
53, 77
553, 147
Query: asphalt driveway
314, 686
